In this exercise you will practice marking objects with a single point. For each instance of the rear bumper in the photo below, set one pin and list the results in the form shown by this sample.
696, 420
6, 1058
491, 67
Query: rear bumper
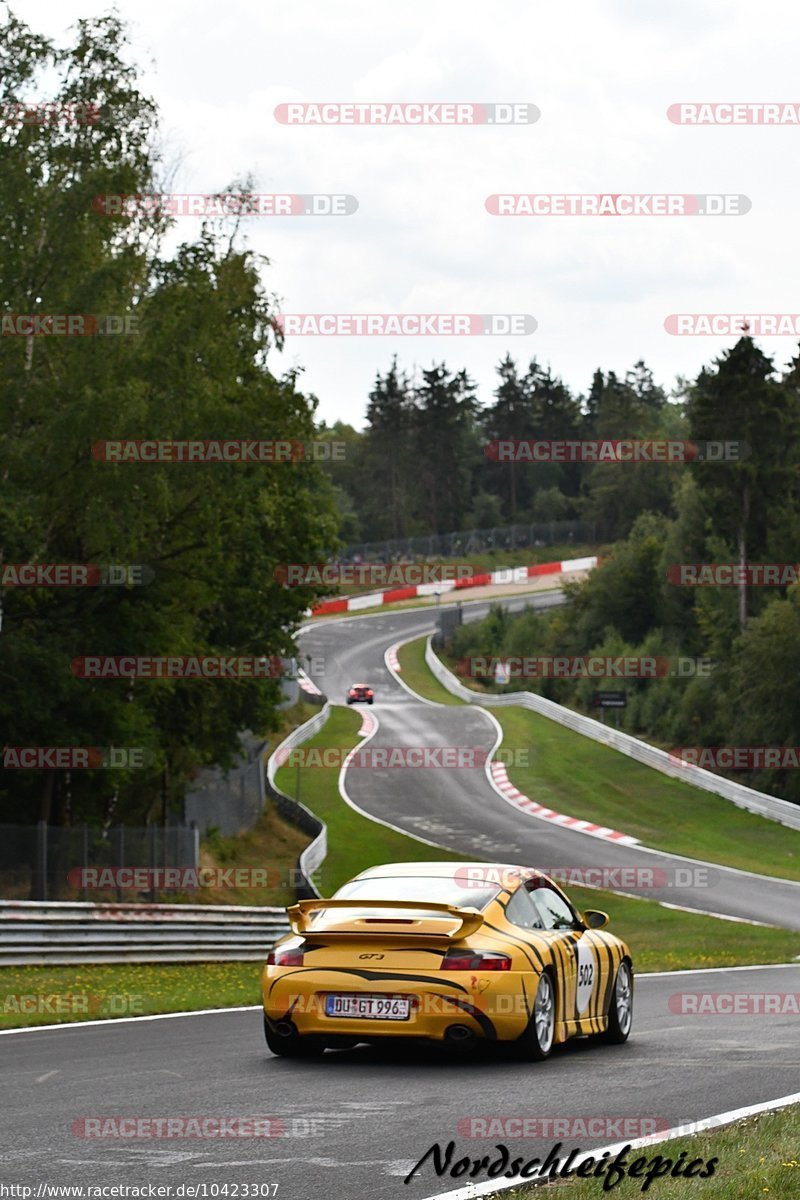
493, 1009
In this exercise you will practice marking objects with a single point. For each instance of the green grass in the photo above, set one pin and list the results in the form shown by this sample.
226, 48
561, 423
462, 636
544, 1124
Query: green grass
354, 842
758, 1158
660, 938
91, 992
666, 939
415, 673
575, 775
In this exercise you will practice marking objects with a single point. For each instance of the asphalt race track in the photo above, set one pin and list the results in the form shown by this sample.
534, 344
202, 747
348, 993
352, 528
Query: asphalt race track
460, 809
352, 1124
355, 1122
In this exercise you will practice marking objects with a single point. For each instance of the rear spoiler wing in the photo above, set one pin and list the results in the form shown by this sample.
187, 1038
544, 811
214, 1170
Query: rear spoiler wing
469, 919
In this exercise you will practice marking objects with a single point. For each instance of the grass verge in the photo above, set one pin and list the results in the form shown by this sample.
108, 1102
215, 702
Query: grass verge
660, 938
575, 775
757, 1157
354, 842
414, 672
89, 992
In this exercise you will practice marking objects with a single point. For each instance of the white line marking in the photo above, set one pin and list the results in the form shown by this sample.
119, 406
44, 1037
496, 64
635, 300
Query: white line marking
47, 1075
202, 1012
497, 775
490, 1187
198, 1012
378, 820
402, 682
716, 970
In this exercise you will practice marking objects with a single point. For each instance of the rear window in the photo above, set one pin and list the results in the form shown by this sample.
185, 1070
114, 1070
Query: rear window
433, 889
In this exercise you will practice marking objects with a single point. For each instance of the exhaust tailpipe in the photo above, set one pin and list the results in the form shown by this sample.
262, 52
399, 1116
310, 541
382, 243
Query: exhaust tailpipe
459, 1033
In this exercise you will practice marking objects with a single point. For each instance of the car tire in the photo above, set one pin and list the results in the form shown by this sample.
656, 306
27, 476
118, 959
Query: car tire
536, 1042
292, 1045
620, 1009
349, 700
369, 702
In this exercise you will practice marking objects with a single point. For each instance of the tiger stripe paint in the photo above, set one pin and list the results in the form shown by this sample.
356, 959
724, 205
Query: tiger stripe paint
493, 1005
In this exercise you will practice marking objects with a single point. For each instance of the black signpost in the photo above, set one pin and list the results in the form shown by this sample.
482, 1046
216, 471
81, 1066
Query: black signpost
604, 700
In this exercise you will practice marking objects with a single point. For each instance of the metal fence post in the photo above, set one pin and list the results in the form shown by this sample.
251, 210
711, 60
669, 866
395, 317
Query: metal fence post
120, 856
85, 856
40, 886
153, 864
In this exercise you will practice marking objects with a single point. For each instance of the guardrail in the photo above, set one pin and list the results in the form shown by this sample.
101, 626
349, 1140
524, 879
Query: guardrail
35, 933
296, 813
771, 807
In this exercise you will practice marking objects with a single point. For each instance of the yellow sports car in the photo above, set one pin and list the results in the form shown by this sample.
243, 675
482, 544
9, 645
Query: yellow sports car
454, 952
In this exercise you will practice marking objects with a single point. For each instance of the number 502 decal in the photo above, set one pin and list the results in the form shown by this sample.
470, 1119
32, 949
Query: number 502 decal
585, 974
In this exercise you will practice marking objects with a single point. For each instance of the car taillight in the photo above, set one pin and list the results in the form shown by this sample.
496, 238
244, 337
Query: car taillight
285, 958
475, 960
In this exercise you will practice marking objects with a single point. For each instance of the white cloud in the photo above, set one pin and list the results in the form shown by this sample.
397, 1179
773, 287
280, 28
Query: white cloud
603, 73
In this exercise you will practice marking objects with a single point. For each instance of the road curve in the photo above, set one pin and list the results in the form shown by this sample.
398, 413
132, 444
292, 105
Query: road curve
459, 808
355, 1122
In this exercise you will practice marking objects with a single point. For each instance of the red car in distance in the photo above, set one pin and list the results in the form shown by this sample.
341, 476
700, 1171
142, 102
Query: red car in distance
360, 694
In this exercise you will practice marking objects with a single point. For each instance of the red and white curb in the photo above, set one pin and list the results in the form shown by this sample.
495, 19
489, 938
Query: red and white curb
368, 724
307, 685
391, 659
502, 784
504, 575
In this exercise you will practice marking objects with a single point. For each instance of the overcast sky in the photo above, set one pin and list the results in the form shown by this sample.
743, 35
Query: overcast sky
602, 74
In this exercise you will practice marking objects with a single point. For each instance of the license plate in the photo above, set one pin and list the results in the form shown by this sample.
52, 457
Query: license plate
370, 1008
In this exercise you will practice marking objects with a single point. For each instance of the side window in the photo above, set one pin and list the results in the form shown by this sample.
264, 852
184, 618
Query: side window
521, 911
554, 911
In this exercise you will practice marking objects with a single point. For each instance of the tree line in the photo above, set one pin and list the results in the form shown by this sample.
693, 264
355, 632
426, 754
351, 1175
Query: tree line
424, 463
198, 363
727, 650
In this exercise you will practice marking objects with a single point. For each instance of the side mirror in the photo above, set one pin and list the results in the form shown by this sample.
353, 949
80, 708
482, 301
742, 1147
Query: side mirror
594, 918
